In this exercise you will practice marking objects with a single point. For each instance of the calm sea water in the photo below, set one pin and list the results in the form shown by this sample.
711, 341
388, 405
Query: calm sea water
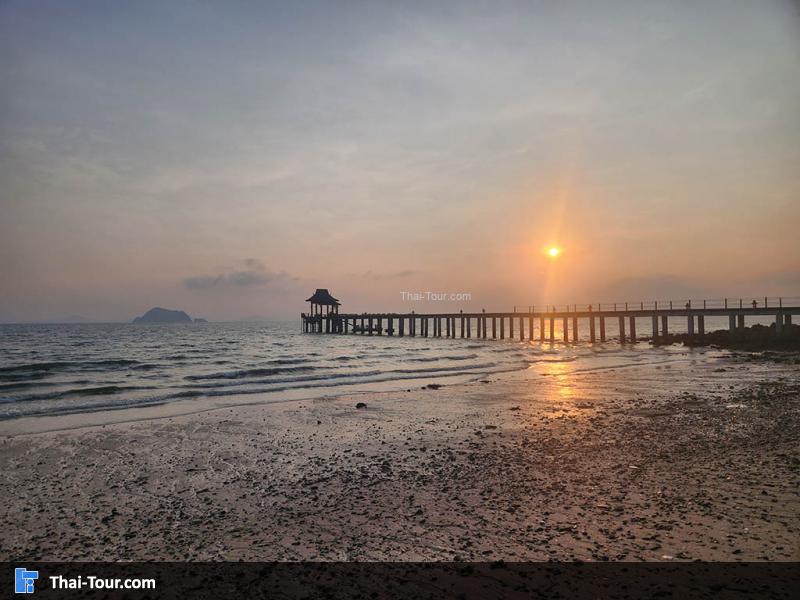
57, 369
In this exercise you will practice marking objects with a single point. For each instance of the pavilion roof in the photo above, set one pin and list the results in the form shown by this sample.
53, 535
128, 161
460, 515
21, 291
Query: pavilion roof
323, 296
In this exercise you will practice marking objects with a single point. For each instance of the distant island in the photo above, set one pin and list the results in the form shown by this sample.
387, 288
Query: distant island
164, 315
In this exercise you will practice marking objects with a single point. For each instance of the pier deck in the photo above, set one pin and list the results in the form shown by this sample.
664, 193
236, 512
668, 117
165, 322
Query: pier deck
523, 325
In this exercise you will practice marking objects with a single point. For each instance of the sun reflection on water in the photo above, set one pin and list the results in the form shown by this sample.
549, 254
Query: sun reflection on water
564, 390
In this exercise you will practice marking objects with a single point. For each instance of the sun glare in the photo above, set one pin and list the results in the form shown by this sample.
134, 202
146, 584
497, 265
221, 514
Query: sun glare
553, 251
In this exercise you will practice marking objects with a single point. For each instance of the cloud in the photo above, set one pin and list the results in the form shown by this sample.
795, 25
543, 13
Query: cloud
253, 274
395, 275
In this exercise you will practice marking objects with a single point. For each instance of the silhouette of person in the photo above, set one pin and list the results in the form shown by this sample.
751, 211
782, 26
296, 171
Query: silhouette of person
755, 304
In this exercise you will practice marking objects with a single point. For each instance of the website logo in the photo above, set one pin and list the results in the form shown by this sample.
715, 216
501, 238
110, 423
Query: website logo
23, 580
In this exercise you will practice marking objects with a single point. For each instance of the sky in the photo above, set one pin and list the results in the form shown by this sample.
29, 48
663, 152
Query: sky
227, 158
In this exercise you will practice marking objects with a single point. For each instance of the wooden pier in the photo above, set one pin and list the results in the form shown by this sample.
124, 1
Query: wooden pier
540, 325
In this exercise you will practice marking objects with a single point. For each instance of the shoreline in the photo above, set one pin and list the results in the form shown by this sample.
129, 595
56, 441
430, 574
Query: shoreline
563, 466
57, 422
32, 424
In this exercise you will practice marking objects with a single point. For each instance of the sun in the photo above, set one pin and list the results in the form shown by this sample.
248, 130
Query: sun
553, 251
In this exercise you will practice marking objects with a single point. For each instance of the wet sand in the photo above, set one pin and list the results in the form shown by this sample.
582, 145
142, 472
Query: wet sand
610, 464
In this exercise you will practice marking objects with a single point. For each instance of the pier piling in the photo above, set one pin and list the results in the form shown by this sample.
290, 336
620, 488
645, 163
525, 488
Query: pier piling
444, 325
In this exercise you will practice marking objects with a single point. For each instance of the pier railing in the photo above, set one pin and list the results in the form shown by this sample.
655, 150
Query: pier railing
539, 322
651, 305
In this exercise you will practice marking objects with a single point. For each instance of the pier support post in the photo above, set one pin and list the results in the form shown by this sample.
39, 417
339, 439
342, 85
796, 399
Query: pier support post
701, 324
530, 328
494, 328
731, 323
552, 330
622, 330
592, 337
511, 328
370, 325
655, 328
574, 329
502, 328
541, 329
380, 325
690, 325
362, 325
484, 322
391, 326
740, 321
787, 319
778, 322
521, 329
469, 327
565, 329
633, 329
447, 326
664, 326
401, 323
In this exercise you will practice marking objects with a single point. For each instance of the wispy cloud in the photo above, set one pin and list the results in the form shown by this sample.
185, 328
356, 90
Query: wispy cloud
253, 273
370, 274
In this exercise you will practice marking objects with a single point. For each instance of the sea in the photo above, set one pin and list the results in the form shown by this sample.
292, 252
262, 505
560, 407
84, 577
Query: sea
72, 368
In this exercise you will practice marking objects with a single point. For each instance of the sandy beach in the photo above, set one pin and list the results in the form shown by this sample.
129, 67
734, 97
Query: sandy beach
589, 465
